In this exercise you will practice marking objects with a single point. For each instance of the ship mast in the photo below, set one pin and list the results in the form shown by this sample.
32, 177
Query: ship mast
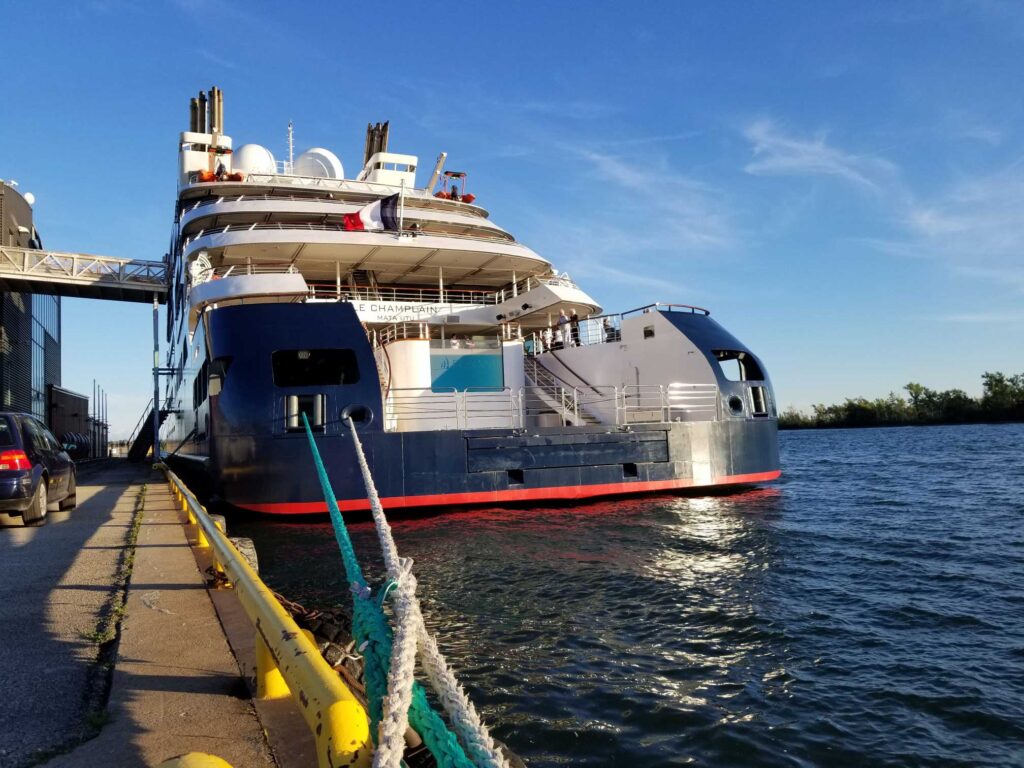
291, 146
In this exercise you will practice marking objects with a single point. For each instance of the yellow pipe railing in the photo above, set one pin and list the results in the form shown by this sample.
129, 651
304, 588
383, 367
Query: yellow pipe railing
287, 662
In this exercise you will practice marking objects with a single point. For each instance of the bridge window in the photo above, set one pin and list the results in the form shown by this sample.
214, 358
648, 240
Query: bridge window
314, 367
738, 366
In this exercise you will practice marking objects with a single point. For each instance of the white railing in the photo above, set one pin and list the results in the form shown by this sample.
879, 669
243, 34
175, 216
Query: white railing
310, 227
529, 283
447, 296
646, 403
80, 269
546, 404
416, 410
238, 270
600, 329
399, 332
413, 199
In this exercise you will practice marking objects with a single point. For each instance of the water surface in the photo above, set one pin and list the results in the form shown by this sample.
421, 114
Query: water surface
868, 609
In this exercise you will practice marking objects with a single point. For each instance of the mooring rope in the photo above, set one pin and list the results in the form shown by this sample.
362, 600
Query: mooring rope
373, 639
470, 729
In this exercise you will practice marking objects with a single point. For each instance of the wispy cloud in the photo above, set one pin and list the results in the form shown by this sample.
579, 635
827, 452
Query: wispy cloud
692, 211
220, 61
971, 226
777, 153
975, 227
571, 109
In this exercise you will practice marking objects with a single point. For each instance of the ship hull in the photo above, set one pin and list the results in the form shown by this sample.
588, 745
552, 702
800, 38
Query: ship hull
252, 457
495, 467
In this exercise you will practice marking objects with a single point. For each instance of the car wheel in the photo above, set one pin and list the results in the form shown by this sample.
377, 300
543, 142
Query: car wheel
71, 500
36, 512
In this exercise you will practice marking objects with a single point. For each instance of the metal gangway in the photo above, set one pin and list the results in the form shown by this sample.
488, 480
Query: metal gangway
82, 275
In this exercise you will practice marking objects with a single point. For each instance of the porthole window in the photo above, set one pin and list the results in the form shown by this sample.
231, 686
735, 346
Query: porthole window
735, 405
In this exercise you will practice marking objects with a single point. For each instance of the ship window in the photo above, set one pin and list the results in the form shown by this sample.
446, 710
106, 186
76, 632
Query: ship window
738, 366
200, 384
758, 401
314, 367
648, 331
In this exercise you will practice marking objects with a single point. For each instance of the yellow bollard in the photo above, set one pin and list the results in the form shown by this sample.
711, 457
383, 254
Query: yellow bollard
195, 760
270, 683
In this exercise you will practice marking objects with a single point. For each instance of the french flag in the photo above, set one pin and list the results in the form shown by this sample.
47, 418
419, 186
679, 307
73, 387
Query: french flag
380, 215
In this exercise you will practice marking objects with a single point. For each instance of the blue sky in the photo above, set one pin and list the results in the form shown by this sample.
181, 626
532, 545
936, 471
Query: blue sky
841, 184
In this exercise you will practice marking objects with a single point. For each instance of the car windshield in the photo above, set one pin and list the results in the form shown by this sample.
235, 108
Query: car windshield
6, 435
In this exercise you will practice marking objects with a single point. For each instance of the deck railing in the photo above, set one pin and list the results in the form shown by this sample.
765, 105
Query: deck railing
421, 409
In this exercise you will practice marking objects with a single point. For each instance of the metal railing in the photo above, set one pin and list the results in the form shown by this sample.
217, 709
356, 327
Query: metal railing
287, 661
413, 199
239, 270
422, 409
83, 269
414, 410
661, 307
447, 296
647, 403
398, 332
598, 329
147, 413
310, 227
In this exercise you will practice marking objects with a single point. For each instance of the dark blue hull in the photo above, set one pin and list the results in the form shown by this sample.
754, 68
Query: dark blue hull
256, 459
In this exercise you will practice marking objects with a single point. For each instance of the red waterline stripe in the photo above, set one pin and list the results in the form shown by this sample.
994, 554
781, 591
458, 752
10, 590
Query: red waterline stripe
493, 497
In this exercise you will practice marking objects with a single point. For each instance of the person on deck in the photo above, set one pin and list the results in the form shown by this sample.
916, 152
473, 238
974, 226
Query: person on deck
574, 327
563, 326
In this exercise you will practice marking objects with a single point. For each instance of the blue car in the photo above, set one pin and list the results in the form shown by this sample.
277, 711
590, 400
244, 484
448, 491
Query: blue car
36, 473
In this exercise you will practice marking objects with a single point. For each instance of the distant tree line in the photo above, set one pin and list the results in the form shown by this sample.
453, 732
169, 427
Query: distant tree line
1002, 399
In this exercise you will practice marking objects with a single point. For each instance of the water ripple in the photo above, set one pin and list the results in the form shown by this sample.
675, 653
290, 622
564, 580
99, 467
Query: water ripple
868, 610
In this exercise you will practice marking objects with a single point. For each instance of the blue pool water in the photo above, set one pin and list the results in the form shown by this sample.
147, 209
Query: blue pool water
868, 609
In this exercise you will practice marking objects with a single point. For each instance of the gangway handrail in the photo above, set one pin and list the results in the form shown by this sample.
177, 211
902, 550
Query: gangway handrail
142, 420
287, 661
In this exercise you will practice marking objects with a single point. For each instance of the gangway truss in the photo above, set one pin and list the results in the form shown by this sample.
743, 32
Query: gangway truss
81, 275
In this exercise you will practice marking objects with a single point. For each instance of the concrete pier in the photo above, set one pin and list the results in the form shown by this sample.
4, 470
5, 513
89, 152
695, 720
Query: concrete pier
175, 686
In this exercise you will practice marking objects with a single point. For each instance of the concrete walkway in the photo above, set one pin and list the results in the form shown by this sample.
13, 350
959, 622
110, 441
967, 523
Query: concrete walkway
176, 686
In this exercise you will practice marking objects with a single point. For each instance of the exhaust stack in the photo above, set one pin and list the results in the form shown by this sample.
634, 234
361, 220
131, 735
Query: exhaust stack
376, 140
202, 122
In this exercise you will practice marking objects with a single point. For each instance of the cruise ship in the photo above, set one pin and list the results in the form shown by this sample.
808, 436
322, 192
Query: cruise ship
473, 372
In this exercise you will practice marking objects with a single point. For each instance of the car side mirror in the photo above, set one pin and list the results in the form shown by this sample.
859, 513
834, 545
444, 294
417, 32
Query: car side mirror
70, 447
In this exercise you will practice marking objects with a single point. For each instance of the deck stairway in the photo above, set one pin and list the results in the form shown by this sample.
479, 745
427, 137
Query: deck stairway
142, 439
547, 389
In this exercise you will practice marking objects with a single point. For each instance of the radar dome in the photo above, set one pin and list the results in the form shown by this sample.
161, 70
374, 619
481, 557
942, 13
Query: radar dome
30, 198
253, 158
319, 162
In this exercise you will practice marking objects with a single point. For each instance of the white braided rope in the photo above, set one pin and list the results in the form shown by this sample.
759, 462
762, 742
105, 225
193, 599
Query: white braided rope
395, 721
469, 729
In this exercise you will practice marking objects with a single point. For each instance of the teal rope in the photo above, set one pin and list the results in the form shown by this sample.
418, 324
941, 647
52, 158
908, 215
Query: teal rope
373, 638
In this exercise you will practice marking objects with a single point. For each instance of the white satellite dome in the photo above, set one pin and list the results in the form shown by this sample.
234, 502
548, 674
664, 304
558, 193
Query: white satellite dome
30, 198
253, 158
319, 162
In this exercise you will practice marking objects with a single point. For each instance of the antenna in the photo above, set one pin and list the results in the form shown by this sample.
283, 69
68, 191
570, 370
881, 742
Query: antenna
291, 145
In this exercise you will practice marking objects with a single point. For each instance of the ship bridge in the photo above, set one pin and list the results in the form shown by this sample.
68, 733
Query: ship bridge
82, 275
